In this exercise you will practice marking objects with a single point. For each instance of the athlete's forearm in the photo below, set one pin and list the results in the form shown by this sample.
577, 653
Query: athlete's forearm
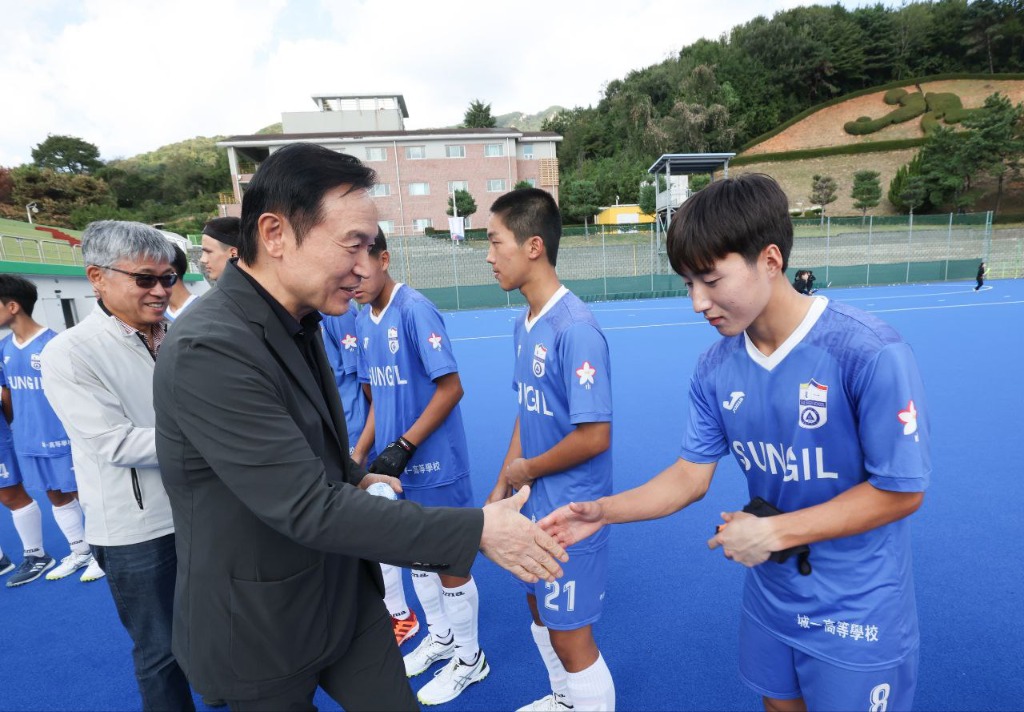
679, 485
446, 396
855, 511
366, 438
584, 442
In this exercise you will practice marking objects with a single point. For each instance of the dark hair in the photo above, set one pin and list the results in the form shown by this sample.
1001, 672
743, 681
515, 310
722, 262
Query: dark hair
380, 243
292, 182
180, 262
224, 230
742, 215
531, 211
14, 288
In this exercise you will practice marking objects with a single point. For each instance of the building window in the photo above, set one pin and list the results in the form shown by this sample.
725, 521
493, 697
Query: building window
381, 190
419, 189
493, 150
528, 151
532, 182
415, 152
421, 224
454, 185
376, 154
496, 185
388, 226
455, 151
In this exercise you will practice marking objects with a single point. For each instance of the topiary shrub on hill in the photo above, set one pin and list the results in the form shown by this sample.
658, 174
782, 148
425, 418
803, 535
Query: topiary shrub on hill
911, 106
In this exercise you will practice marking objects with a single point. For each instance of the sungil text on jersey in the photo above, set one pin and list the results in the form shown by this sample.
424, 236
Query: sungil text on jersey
534, 400
777, 459
385, 376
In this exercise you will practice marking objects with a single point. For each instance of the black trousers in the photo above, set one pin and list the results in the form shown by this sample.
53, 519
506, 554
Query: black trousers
369, 676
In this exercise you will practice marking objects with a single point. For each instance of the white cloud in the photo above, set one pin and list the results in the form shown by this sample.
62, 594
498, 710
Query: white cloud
132, 76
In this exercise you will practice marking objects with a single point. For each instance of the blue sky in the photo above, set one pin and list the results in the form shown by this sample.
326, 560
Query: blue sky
131, 76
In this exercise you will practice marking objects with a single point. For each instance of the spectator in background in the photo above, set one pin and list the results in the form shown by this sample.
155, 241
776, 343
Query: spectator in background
98, 376
982, 271
180, 296
220, 244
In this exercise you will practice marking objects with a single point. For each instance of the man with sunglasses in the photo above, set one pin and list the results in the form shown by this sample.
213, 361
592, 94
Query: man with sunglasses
98, 376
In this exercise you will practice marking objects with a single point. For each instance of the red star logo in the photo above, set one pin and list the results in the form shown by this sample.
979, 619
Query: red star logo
909, 418
435, 341
586, 373
349, 342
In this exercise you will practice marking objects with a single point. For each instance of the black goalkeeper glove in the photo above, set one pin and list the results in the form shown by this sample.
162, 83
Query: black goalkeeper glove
394, 458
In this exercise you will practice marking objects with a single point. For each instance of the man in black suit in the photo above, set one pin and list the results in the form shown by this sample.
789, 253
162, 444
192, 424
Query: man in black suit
277, 590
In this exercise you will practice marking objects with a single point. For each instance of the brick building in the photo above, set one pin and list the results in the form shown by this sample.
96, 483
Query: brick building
418, 170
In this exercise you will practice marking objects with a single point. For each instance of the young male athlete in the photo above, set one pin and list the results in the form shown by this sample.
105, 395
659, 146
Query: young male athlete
561, 440
41, 444
416, 423
823, 408
342, 349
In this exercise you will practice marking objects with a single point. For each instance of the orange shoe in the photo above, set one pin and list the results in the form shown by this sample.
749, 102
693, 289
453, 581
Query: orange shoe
405, 628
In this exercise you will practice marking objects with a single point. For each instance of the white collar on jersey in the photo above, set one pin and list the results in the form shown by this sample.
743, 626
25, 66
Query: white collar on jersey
19, 345
768, 363
376, 319
559, 293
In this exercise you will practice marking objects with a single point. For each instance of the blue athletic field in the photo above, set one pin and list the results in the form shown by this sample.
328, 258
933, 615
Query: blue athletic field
671, 614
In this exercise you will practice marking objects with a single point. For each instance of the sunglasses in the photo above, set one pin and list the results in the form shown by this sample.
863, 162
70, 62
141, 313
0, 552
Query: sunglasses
147, 281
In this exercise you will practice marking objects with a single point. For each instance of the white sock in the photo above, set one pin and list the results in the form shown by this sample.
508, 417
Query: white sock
593, 688
394, 592
462, 606
72, 523
29, 522
428, 590
556, 671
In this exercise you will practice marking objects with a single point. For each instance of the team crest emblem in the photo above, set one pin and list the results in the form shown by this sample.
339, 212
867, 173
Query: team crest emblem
349, 342
909, 418
540, 355
813, 405
586, 373
393, 339
36, 363
435, 341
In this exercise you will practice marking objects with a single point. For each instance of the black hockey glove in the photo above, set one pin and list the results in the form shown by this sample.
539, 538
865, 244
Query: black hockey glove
760, 508
394, 458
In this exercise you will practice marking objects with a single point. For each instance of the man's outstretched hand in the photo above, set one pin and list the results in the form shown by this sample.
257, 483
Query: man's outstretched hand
573, 522
515, 543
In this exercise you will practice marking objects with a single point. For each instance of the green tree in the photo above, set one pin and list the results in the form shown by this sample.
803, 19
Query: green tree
699, 182
6, 185
66, 154
648, 199
463, 202
478, 116
579, 201
901, 179
57, 194
823, 192
995, 141
913, 194
867, 191
522, 184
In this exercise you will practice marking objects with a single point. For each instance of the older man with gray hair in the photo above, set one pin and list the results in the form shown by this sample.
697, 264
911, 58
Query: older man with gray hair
98, 376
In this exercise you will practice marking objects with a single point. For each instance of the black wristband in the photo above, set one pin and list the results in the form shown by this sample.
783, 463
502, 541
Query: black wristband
406, 445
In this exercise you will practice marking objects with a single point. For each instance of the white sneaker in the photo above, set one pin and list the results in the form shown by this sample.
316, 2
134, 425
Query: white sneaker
92, 572
69, 565
452, 679
554, 702
428, 652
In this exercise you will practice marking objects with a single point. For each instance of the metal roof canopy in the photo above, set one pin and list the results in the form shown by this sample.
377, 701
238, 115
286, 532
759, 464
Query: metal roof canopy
689, 163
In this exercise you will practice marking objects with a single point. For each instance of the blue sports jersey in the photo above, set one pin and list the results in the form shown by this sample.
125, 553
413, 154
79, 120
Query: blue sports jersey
37, 430
8, 465
563, 378
839, 403
343, 353
405, 349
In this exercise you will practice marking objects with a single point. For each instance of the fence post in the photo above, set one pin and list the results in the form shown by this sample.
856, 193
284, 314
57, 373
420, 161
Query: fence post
910, 242
650, 252
828, 247
988, 235
871, 223
406, 269
949, 244
455, 274
604, 264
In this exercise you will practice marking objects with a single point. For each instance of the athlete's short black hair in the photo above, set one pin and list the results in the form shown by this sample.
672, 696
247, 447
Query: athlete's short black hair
531, 211
14, 288
742, 215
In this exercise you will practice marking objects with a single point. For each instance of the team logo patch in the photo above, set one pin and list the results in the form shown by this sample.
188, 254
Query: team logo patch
909, 418
813, 405
735, 398
393, 339
586, 372
435, 341
366, 342
349, 342
36, 363
540, 355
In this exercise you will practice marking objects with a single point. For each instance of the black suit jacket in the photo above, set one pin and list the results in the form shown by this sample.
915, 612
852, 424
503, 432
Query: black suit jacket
273, 541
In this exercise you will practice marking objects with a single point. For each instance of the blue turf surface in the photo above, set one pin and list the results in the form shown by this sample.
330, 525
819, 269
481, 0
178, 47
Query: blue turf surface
669, 629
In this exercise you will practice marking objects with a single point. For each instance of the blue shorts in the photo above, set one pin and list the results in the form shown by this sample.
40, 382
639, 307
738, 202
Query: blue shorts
577, 599
454, 494
48, 473
777, 670
10, 473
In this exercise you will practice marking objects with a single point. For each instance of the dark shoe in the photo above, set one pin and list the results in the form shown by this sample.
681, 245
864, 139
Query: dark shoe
30, 569
6, 565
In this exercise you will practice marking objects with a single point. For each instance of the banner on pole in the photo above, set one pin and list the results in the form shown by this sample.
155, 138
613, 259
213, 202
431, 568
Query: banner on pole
456, 227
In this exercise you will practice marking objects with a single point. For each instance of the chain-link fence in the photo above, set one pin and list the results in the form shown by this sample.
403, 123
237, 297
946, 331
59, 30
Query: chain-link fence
629, 261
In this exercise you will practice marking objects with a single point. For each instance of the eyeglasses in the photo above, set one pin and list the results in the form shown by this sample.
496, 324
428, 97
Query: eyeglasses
147, 281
